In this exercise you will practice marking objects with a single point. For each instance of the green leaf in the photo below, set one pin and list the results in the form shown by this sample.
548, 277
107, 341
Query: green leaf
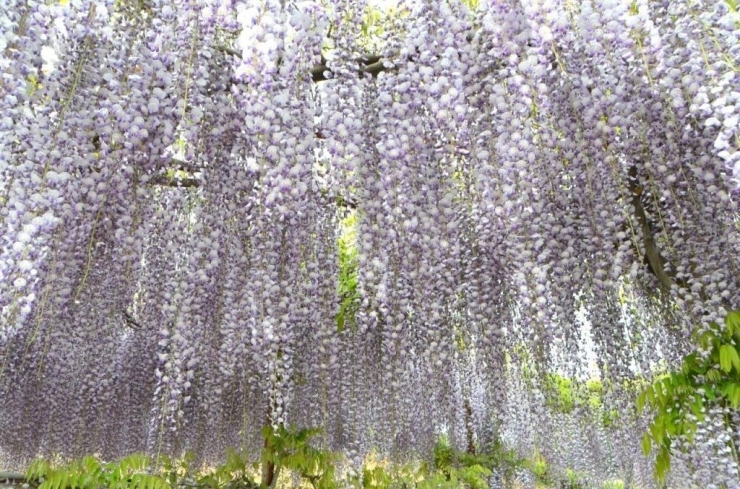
690, 364
340, 320
662, 463
696, 408
728, 357
666, 391
38, 468
650, 394
656, 429
647, 444
640, 402
732, 321
670, 425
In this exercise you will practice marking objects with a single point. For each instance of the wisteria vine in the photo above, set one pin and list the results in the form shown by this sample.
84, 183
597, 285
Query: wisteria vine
519, 175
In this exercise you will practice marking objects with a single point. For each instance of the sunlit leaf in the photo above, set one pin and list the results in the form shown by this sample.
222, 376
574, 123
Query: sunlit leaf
647, 445
732, 321
641, 402
727, 357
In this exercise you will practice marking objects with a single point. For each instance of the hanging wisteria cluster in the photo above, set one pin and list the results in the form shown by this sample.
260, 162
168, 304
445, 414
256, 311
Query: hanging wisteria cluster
176, 175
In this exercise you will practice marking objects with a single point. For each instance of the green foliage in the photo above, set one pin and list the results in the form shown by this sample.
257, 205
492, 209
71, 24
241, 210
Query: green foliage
472, 4
505, 461
444, 455
613, 484
349, 296
539, 468
286, 449
176, 470
562, 394
291, 450
559, 393
678, 399
473, 477
389, 476
372, 24
573, 480
90, 473
609, 418
449, 469
377, 23
456, 469
234, 474
376, 478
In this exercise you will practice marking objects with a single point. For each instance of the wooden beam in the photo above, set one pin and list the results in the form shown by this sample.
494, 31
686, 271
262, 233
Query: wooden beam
167, 181
370, 64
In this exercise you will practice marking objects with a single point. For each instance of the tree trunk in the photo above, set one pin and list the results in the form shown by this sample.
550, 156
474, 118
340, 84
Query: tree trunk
268, 469
469, 427
268, 466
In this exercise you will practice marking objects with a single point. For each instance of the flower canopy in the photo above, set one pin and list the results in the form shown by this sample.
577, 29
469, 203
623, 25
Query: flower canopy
218, 214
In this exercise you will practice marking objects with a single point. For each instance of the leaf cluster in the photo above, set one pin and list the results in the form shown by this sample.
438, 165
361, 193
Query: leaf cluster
678, 399
90, 473
286, 449
291, 450
387, 476
539, 468
234, 474
448, 469
562, 394
349, 295
452, 468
